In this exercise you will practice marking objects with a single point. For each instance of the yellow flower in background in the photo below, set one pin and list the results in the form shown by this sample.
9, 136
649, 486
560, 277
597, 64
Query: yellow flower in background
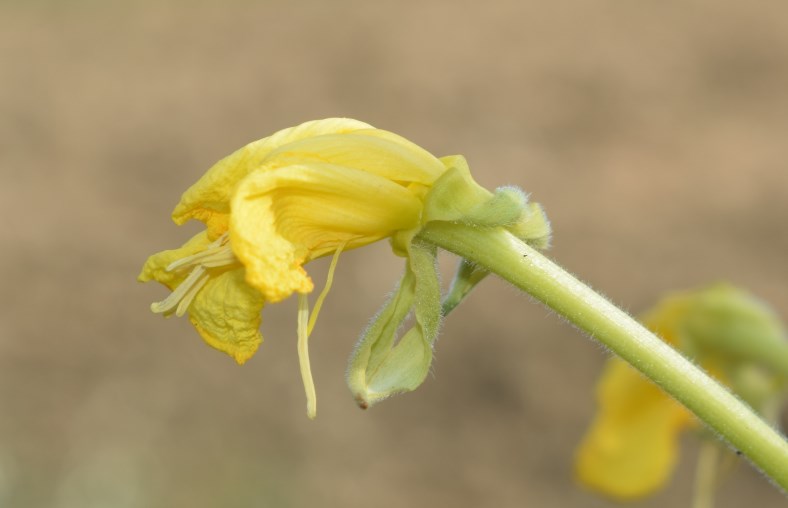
313, 190
631, 448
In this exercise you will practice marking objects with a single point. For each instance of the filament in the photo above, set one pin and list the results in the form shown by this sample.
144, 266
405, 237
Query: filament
303, 356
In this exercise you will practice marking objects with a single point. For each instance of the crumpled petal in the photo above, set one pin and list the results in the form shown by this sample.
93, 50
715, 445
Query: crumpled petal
227, 314
284, 218
208, 200
225, 311
632, 446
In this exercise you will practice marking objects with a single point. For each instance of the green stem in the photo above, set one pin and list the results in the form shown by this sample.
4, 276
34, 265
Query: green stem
503, 254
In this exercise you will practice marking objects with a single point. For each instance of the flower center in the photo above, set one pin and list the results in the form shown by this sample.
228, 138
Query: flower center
215, 255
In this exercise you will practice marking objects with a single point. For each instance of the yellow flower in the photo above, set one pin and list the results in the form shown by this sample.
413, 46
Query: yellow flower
310, 191
276, 204
632, 446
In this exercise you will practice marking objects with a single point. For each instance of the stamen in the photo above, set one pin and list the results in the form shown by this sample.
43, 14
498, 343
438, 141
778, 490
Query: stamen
222, 257
303, 356
217, 253
165, 306
216, 250
183, 305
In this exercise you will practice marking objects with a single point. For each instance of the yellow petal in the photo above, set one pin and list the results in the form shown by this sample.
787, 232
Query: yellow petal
208, 200
283, 218
155, 267
372, 150
632, 446
226, 313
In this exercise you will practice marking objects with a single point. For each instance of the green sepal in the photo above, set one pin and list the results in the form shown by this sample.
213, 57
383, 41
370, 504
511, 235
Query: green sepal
533, 227
380, 366
466, 278
456, 197
455, 193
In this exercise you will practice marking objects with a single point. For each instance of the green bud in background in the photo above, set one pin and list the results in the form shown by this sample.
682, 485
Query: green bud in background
728, 326
740, 340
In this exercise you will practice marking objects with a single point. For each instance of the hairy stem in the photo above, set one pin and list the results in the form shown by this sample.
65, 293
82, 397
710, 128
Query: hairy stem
503, 254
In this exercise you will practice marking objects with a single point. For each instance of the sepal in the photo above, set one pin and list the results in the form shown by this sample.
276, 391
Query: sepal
381, 366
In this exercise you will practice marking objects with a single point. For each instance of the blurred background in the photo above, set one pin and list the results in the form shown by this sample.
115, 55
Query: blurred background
654, 133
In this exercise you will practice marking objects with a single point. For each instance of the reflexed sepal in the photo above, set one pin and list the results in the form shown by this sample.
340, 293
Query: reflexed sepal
380, 366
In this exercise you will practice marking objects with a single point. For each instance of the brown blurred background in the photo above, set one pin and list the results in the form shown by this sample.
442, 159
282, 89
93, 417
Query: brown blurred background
654, 133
